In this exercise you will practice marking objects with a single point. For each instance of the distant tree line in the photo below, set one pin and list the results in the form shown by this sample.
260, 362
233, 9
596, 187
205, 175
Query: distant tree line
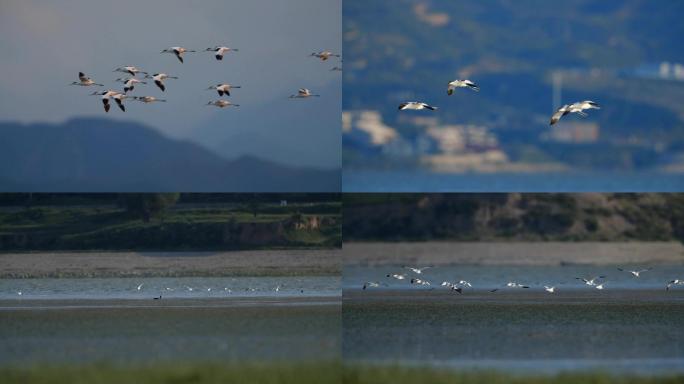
476, 217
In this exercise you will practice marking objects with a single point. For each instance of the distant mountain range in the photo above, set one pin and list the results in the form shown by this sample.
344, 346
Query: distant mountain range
100, 155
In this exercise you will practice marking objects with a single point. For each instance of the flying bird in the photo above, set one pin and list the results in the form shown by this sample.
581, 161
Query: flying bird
415, 105
453, 286
147, 99
223, 89
303, 93
106, 95
635, 273
396, 276
511, 284
416, 269
419, 281
370, 284
516, 285
85, 81
178, 51
577, 107
591, 280
159, 79
549, 289
129, 69
129, 83
461, 84
673, 282
324, 55
220, 51
119, 98
222, 103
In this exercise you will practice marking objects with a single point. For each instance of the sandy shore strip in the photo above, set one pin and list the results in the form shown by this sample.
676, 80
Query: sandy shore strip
38, 304
170, 264
511, 253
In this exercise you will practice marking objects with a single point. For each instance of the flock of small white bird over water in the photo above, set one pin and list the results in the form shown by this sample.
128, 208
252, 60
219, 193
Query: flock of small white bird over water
578, 107
223, 89
416, 277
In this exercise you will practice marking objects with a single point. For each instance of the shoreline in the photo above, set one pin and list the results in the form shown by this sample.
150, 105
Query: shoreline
515, 253
171, 264
175, 303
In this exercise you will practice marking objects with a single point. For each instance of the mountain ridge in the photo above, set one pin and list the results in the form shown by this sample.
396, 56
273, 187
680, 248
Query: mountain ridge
87, 154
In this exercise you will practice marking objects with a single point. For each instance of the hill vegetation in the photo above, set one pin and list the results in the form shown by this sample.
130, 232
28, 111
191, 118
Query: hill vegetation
36, 222
515, 217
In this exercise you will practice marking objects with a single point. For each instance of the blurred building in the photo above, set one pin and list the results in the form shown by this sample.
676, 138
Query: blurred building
573, 132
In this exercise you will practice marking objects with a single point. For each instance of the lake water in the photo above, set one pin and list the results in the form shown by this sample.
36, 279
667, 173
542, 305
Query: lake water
632, 326
490, 277
169, 287
183, 330
423, 181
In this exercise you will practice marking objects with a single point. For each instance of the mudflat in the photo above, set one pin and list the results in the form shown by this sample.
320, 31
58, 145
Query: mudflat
511, 253
161, 264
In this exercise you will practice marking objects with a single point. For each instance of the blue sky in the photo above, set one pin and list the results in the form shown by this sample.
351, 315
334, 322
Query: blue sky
46, 43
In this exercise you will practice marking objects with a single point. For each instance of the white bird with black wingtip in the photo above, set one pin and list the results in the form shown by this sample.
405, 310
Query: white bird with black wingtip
673, 282
222, 103
159, 79
461, 84
223, 88
129, 83
591, 281
578, 107
85, 81
131, 69
220, 51
106, 95
303, 93
415, 106
417, 270
147, 99
178, 51
396, 276
635, 273
324, 55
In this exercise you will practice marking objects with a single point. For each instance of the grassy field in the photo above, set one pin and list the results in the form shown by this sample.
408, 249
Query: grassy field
299, 373
257, 373
357, 374
184, 227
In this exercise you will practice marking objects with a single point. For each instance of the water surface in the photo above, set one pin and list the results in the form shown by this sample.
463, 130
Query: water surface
423, 181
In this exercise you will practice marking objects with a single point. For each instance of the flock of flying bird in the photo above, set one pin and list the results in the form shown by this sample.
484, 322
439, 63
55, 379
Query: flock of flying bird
597, 282
578, 107
223, 89
208, 290
227, 290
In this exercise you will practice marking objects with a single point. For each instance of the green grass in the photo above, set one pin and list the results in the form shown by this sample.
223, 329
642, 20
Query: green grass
257, 373
361, 374
298, 373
